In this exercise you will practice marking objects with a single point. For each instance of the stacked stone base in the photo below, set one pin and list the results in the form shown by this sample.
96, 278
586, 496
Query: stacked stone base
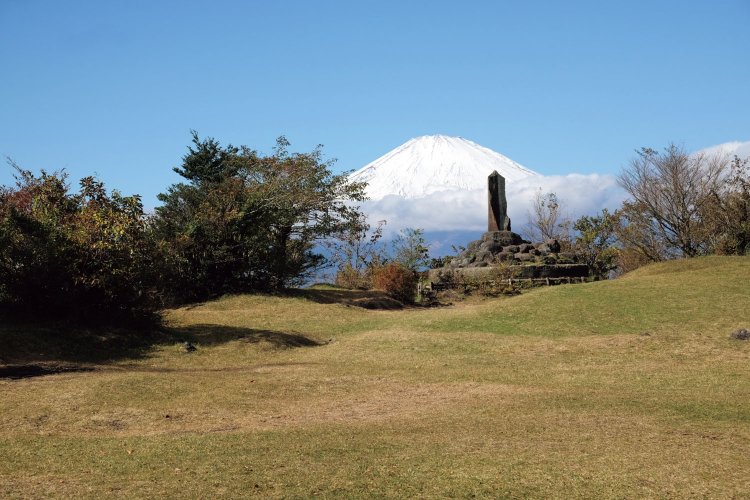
507, 247
516, 257
519, 272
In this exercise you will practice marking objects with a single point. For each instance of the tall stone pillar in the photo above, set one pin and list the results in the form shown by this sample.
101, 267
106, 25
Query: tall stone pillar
497, 205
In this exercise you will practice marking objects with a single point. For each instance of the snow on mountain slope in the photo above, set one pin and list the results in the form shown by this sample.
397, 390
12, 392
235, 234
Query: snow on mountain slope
735, 148
433, 163
439, 184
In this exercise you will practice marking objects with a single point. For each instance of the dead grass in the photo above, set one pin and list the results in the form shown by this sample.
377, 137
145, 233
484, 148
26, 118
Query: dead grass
300, 396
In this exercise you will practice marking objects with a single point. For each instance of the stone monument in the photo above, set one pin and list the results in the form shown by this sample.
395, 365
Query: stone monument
501, 246
497, 206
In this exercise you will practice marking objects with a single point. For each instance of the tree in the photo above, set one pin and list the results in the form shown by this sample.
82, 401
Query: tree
244, 221
595, 242
727, 211
639, 236
86, 255
546, 221
410, 249
669, 191
355, 251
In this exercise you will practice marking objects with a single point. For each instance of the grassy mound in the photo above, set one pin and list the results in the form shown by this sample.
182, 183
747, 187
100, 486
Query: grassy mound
706, 294
623, 388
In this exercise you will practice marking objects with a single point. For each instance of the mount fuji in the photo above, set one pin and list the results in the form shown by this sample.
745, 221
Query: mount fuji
439, 184
433, 163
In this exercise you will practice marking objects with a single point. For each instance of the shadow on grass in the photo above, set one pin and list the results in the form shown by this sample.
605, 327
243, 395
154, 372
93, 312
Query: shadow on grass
15, 372
46, 342
367, 299
31, 350
35, 349
210, 334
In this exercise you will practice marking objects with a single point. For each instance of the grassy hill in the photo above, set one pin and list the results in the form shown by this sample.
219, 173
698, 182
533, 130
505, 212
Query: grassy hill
622, 388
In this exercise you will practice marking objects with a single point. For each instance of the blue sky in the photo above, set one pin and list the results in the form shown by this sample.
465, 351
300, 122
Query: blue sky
113, 88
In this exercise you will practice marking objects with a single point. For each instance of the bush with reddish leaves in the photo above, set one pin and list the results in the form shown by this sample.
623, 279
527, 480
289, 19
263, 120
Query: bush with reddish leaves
396, 280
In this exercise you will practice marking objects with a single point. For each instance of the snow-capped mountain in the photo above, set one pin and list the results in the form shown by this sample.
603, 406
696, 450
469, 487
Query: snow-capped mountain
735, 148
433, 163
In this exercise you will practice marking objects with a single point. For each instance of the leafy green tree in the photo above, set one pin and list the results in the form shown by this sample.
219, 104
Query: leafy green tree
595, 242
727, 211
244, 221
84, 255
36, 257
410, 249
439, 262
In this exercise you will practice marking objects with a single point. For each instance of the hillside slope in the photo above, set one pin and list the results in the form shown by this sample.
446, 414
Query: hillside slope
701, 294
627, 388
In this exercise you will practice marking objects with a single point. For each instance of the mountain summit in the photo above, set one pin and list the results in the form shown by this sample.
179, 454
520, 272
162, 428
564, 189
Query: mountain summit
432, 163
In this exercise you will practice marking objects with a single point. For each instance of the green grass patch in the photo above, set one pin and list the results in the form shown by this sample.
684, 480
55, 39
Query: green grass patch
624, 388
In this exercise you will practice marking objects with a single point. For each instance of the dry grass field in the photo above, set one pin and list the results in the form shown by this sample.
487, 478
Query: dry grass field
618, 389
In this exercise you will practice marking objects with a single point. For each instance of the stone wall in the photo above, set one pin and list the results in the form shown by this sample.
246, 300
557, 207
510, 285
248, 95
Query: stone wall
505, 255
523, 272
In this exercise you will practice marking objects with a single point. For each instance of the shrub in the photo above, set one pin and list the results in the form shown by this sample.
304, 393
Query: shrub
353, 279
79, 255
396, 280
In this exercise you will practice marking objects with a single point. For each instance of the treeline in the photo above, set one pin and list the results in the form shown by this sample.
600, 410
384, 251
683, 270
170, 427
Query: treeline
240, 221
681, 205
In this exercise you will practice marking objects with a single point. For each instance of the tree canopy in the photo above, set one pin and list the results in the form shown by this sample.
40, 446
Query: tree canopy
82, 254
240, 221
670, 191
245, 221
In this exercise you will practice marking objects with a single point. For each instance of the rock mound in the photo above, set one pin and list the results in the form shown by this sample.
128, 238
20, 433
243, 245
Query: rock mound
497, 247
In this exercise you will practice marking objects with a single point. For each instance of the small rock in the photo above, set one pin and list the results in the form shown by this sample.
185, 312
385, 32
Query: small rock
490, 246
741, 334
504, 256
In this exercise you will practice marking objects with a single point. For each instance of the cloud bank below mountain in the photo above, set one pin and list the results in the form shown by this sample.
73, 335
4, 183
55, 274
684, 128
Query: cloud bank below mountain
466, 210
462, 210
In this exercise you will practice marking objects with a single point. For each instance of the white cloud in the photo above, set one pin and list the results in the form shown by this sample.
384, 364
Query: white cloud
735, 148
459, 210
466, 210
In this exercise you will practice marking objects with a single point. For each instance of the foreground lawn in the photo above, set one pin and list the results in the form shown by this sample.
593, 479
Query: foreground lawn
626, 388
